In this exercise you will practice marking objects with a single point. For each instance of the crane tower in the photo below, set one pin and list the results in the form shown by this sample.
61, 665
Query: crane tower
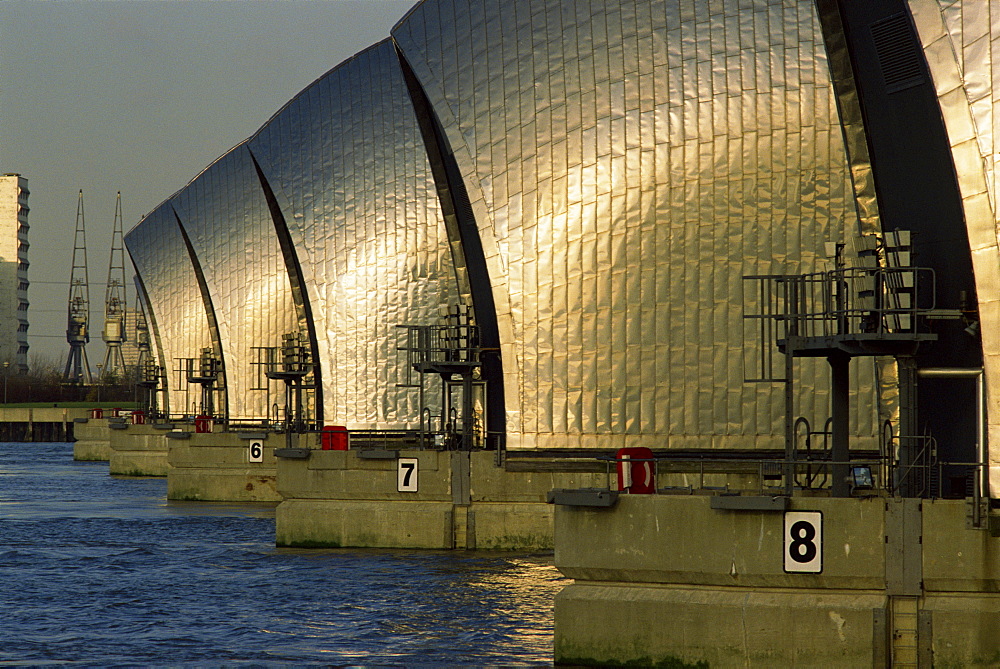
78, 310
115, 300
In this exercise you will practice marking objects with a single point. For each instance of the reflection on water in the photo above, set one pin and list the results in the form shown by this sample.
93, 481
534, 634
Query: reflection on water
102, 570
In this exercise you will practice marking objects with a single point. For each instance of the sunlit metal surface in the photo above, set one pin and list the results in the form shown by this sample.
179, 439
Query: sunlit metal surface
627, 163
179, 321
230, 229
960, 39
347, 164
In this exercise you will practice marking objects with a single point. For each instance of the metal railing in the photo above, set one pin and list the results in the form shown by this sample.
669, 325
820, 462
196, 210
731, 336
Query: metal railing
440, 344
876, 476
861, 300
865, 302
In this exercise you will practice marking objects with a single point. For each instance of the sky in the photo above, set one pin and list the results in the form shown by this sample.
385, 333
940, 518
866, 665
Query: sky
139, 96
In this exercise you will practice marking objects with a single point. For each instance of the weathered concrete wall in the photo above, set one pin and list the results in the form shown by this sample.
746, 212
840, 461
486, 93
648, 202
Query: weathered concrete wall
359, 523
661, 578
217, 467
93, 439
139, 450
509, 511
645, 625
961, 579
342, 475
336, 498
681, 540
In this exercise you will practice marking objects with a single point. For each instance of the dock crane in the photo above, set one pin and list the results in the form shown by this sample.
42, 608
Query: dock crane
115, 301
78, 310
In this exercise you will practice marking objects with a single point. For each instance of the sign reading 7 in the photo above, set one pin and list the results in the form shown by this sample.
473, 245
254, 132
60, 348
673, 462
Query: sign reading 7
406, 475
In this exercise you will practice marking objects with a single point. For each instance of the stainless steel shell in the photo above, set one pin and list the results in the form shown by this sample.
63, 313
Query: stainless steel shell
628, 161
179, 321
231, 232
350, 174
961, 41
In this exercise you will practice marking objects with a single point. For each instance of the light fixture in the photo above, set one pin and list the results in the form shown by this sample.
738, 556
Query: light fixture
861, 478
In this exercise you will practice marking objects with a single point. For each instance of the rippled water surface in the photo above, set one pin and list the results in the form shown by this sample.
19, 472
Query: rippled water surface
98, 570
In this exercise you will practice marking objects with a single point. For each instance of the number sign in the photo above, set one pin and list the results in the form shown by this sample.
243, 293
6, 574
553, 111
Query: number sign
256, 450
406, 475
804, 542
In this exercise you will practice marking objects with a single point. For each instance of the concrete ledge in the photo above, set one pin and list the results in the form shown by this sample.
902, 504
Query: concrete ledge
965, 629
137, 464
680, 539
140, 450
222, 485
670, 579
338, 523
652, 625
91, 451
489, 507
955, 559
343, 475
512, 526
220, 467
93, 440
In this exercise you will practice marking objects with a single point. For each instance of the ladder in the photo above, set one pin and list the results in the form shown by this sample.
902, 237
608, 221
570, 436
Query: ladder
905, 649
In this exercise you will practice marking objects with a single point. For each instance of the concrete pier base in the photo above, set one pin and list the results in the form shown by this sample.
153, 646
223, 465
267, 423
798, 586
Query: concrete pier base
219, 467
660, 579
138, 450
462, 500
93, 439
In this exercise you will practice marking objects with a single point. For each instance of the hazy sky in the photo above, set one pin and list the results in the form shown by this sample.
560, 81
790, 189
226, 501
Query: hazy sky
140, 96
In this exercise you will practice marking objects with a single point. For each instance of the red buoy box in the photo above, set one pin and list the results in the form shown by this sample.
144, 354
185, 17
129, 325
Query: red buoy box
202, 424
97, 413
334, 438
636, 470
138, 417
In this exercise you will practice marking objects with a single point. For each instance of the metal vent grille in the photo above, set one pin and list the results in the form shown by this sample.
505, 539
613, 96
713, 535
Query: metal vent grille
899, 56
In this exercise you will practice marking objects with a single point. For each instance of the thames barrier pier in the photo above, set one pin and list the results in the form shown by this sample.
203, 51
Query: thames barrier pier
704, 294
702, 578
419, 499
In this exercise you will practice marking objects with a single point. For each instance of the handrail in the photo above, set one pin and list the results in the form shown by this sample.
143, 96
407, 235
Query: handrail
886, 482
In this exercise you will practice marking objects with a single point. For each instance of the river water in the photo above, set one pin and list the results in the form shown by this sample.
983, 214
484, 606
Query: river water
100, 570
